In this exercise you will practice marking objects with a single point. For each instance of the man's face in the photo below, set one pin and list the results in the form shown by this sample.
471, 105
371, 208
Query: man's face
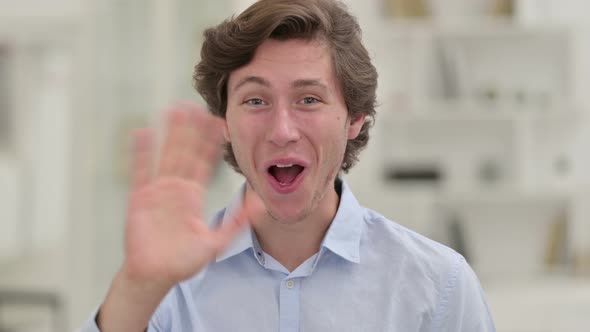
288, 124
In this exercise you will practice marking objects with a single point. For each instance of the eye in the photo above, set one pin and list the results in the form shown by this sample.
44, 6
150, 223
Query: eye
309, 100
255, 101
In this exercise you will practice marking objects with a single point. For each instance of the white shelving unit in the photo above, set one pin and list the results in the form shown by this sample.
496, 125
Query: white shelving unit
489, 106
497, 107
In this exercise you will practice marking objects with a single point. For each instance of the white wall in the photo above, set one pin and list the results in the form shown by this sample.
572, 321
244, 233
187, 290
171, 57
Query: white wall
31, 9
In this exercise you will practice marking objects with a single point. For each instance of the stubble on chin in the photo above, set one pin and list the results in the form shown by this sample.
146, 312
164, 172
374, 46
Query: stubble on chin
307, 210
310, 206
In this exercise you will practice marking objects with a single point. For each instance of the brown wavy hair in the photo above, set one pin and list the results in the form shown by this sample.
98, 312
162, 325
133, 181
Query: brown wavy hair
232, 44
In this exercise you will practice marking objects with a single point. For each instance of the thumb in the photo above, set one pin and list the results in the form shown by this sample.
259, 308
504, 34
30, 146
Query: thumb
251, 209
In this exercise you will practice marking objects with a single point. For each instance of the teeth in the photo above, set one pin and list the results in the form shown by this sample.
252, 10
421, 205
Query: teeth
283, 166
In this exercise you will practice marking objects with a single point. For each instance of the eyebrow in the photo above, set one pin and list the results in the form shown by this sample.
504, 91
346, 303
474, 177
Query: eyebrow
297, 84
309, 82
252, 79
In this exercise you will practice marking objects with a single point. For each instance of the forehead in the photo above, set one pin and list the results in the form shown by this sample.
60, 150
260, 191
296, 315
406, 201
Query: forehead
285, 61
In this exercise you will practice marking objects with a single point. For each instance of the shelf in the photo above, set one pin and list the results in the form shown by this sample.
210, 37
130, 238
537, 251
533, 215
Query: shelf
539, 303
465, 28
489, 198
460, 112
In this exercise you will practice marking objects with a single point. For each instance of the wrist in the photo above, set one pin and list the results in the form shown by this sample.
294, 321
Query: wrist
130, 302
140, 283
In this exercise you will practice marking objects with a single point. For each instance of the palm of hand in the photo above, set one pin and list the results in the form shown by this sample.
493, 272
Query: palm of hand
166, 239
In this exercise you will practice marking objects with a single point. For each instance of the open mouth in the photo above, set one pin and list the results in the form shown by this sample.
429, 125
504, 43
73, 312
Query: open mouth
285, 174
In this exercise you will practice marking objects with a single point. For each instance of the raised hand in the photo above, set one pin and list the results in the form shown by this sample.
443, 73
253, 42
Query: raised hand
166, 238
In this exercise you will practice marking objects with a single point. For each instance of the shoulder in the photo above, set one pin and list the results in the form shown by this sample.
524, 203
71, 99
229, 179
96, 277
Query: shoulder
398, 241
413, 258
436, 274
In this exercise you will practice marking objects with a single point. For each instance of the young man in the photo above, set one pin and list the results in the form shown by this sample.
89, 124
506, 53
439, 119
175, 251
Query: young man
293, 91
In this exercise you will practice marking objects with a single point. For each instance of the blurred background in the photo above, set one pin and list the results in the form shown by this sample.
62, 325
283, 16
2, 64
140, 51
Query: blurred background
481, 142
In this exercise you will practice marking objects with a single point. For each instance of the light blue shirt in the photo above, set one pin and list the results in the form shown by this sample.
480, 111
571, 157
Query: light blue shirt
370, 275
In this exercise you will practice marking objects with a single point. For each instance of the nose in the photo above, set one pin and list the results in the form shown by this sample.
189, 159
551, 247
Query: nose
283, 128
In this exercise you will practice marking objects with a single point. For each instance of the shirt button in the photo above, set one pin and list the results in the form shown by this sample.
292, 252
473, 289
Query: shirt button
289, 284
260, 257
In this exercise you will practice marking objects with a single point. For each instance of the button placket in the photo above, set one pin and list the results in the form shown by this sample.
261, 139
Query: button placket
289, 305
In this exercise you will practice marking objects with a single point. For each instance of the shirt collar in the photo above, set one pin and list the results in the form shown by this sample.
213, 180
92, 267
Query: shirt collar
246, 238
344, 235
342, 238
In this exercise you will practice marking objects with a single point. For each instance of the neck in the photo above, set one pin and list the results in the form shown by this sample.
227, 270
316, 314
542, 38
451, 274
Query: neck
293, 243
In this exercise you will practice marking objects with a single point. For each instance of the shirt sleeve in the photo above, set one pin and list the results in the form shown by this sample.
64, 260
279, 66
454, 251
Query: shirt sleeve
90, 324
463, 306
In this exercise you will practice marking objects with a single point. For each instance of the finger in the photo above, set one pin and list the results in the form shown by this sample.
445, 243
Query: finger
142, 153
251, 209
175, 158
203, 153
210, 147
206, 148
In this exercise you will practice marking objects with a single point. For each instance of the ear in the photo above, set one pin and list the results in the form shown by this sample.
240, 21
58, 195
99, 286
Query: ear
355, 126
226, 131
